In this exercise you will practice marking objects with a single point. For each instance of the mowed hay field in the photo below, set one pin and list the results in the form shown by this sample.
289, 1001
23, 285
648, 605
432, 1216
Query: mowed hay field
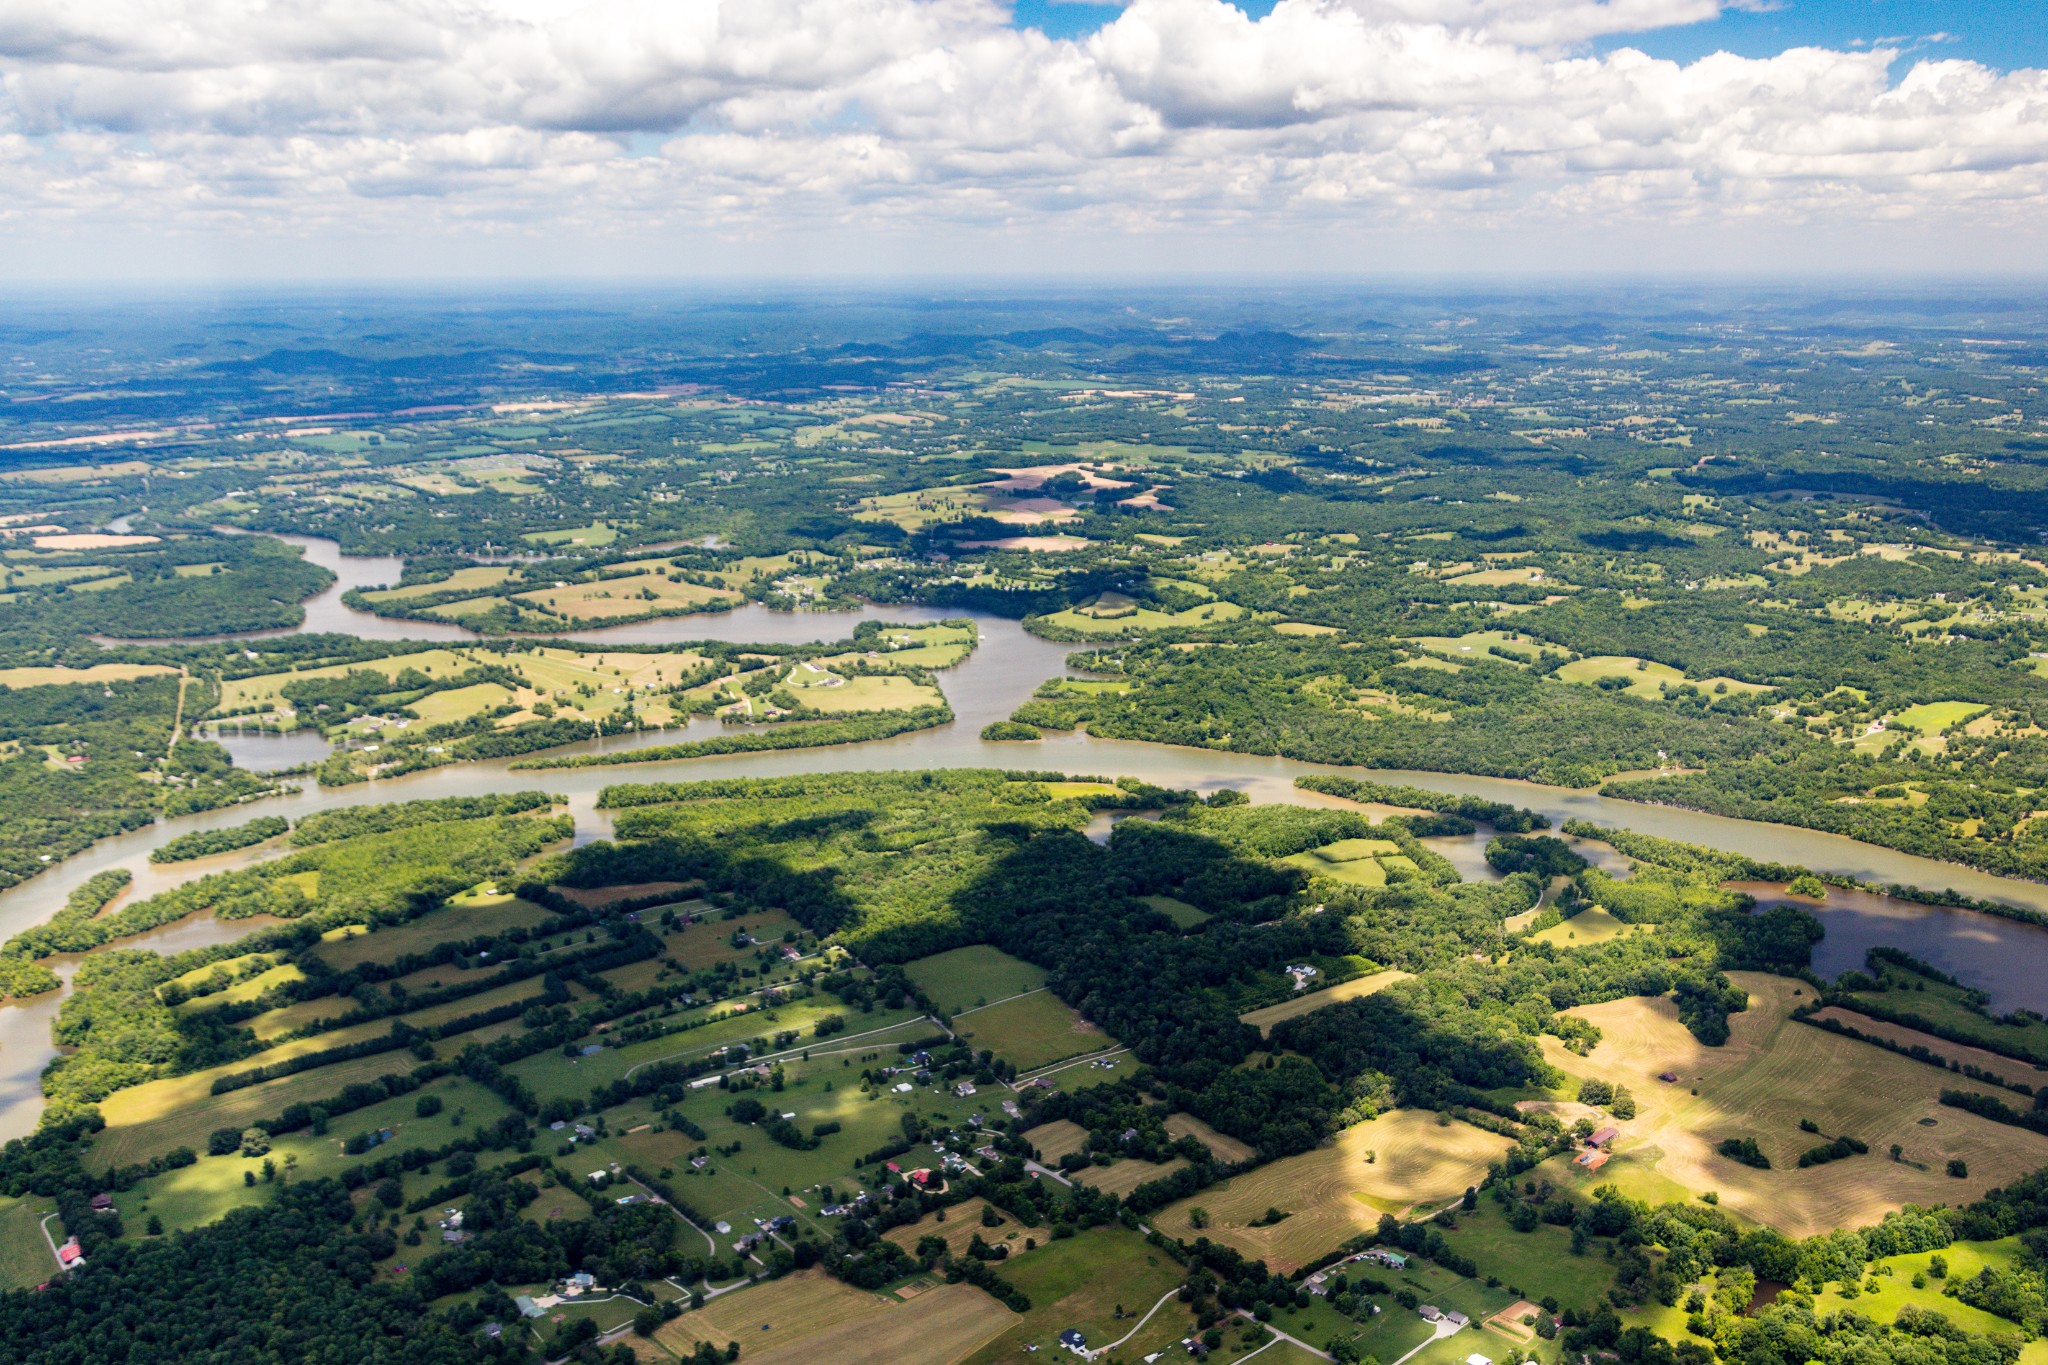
1121, 1177
1221, 1147
810, 1317
966, 977
1772, 1073
1031, 1031
1333, 1193
1307, 1002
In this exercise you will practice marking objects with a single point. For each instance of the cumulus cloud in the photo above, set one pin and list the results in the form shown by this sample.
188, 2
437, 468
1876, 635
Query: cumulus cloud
633, 115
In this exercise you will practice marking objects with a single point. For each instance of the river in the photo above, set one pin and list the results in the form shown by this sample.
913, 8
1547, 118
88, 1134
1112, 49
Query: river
2005, 957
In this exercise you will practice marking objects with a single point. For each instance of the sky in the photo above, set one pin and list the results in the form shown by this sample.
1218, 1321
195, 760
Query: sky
324, 140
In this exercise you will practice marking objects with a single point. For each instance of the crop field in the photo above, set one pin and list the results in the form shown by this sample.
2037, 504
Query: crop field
966, 977
597, 897
25, 1259
266, 689
870, 692
150, 1119
709, 942
1139, 620
1121, 1177
1772, 1073
1308, 1002
476, 578
962, 1223
1180, 912
551, 1074
1031, 1031
199, 1194
593, 536
1333, 1192
1222, 1148
1935, 716
97, 673
465, 917
808, 1317
1589, 928
1080, 1282
1056, 1139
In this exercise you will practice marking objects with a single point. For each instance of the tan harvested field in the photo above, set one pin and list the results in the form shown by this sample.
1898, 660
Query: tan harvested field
1056, 1139
1772, 1073
962, 1222
1996, 1063
91, 540
1334, 1193
97, 673
1126, 1175
811, 1318
1307, 1002
1222, 1148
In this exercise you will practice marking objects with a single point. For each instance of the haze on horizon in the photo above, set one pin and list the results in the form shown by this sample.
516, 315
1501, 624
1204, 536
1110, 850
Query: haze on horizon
282, 140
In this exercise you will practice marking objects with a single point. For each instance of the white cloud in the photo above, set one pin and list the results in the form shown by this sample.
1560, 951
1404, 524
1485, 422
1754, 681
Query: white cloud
594, 117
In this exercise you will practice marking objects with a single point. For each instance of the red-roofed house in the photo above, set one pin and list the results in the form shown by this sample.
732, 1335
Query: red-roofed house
1603, 1137
70, 1256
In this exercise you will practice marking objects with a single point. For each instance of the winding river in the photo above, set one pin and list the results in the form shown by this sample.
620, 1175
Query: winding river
2007, 958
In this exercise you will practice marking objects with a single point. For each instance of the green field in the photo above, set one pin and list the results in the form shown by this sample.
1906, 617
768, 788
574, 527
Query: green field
1591, 926
1534, 1264
968, 977
1307, 1002
1933, 717
1180, 912
466, 916
1031, 1031
596, 534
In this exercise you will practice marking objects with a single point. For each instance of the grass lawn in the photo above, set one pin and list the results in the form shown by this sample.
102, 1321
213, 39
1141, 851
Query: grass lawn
710, 942
1772, 1073
968, 977
1031, 1031
25, 1259
1334, 1193
1180, 912
477, 578
1080, 1282
1307, 1002
1589, 928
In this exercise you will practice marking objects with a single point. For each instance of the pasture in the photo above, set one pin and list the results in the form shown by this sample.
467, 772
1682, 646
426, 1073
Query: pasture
1534, 1264
1334, 1192
1080, 1282
467, 916
25, 1259
1136, 620
1772, 1073
96, 673
1031, 1031
864, 692
968, 977
1931, 718
1308, 1002
1121, 1177
476, 578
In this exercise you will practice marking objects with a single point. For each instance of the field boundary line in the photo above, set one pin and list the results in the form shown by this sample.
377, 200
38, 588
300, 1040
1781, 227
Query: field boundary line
1035, 990
770, 1056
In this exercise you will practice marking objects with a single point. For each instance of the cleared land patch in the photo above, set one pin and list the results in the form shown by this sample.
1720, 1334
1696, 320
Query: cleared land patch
810, 1317
1591, 926
1221, 1147
1333, 1192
